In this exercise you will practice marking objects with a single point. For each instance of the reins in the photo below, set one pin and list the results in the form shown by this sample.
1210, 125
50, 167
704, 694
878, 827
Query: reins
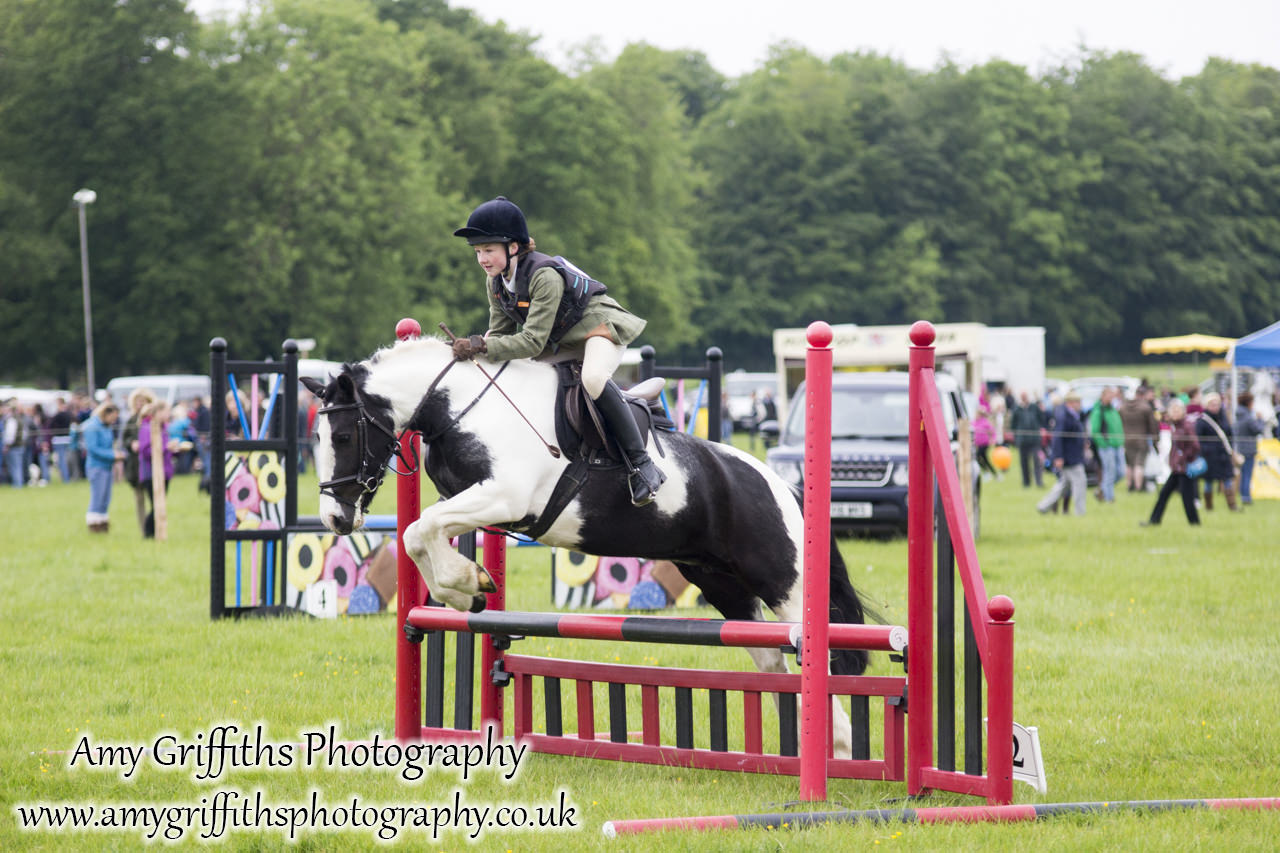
551, 448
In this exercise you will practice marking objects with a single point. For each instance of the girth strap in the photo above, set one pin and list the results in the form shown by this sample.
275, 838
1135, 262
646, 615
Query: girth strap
571, 481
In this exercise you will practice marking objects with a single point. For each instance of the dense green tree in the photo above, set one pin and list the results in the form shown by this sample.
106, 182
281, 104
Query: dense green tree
298, 172
99, 95
341, 210
786, 221
1003, 182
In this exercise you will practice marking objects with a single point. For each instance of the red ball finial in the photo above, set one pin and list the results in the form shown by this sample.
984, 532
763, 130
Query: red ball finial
1000, 608
819, 334
922, 333
408, 328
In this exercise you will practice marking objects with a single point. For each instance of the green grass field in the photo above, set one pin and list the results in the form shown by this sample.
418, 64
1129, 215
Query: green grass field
1149, 660
1160, 372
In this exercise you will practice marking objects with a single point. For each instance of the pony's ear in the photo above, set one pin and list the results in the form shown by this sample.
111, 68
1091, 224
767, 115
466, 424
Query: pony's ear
346, 385
313, 385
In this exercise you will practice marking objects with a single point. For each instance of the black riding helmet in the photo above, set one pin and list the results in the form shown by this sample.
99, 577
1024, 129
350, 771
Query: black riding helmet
496, 221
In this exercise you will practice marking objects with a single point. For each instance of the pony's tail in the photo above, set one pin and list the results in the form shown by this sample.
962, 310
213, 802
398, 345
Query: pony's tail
846, 606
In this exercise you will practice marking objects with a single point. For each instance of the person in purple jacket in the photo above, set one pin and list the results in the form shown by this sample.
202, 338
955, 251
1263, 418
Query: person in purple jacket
1182, 452
159, 412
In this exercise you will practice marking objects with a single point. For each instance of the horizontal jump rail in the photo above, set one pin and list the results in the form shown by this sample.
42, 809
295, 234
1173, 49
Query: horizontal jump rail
620, 744
652, 629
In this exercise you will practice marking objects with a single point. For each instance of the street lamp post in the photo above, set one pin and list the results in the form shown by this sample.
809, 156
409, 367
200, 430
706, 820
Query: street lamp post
82, 198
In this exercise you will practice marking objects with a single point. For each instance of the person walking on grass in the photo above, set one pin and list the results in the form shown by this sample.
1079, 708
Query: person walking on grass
139, 399
1067, 452
1182, 452
1108, 437
983, 438
1027, 422
1138, 417
1248, 428
1215, 434
97, 435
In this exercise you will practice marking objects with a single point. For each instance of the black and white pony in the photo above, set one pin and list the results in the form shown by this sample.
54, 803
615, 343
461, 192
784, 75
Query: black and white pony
732, 526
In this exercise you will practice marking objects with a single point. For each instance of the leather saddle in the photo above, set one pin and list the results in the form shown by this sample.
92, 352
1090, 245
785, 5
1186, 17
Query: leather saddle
585, 442
580, 428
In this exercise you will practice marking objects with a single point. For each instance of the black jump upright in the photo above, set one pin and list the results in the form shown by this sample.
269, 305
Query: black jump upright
283, 441
711, 371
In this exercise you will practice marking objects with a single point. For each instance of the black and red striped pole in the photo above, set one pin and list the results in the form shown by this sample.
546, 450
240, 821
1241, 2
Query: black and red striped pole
651, 629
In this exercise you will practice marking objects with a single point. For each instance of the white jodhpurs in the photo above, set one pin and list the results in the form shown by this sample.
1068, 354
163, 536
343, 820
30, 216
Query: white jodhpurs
600, 360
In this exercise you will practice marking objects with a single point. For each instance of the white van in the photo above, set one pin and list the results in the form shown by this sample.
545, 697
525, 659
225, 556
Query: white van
170, 387
181, 387
318, 369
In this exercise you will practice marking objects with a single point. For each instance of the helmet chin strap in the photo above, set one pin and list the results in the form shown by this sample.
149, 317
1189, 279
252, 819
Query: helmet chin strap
506, 266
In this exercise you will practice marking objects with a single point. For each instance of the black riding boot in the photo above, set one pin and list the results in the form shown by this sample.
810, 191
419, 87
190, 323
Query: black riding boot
645, 477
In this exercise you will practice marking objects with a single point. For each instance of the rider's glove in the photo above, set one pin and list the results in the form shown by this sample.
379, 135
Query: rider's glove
464, 348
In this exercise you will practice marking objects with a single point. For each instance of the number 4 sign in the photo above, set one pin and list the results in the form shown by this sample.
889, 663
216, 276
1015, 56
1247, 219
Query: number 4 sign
321, 600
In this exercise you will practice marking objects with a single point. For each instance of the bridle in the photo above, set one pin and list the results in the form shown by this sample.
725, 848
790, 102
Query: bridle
374, 463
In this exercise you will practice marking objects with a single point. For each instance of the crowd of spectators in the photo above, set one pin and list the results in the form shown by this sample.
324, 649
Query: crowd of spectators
111, 442
1146, 441
45, 446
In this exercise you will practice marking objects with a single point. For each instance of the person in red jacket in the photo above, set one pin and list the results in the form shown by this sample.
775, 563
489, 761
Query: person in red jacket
1184, 451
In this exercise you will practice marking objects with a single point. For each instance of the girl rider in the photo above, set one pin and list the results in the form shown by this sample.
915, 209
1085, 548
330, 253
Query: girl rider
544, 307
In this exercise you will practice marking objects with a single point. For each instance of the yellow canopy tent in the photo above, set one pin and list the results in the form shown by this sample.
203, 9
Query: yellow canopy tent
1186, 343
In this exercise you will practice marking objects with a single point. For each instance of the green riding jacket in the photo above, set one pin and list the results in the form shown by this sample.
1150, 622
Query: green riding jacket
506, 340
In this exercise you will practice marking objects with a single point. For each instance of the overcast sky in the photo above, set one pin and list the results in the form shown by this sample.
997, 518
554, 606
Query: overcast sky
1175, 36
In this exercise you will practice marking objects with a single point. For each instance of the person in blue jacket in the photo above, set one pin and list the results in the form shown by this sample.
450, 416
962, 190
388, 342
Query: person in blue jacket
97, 436
1067, 453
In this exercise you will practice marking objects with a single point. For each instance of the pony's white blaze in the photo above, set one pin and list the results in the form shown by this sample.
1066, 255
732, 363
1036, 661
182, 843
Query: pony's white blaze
332, 514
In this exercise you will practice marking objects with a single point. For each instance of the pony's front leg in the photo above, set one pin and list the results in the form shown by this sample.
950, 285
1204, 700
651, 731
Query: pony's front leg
452, 578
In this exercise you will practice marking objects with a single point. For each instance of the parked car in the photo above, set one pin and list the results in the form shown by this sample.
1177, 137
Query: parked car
26, 396
740, 385
1090, 388
868, 448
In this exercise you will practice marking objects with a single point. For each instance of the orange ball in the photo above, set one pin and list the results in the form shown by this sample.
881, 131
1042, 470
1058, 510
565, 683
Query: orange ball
1001, 457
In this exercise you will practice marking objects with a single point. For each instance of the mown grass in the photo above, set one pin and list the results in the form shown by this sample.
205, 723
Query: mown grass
1147, 658
1173, 373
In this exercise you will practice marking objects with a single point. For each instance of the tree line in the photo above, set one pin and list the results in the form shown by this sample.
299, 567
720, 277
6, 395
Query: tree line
298, 172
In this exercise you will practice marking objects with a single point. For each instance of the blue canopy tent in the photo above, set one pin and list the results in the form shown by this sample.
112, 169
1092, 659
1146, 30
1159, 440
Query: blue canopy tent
1261, 349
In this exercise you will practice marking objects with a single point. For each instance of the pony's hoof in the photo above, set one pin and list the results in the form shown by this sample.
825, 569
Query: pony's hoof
477, 604
484, 582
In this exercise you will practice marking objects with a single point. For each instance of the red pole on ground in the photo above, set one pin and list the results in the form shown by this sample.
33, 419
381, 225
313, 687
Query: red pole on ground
409, 592
495, 563
943, 814
919, 563
1000, 701
815, 728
